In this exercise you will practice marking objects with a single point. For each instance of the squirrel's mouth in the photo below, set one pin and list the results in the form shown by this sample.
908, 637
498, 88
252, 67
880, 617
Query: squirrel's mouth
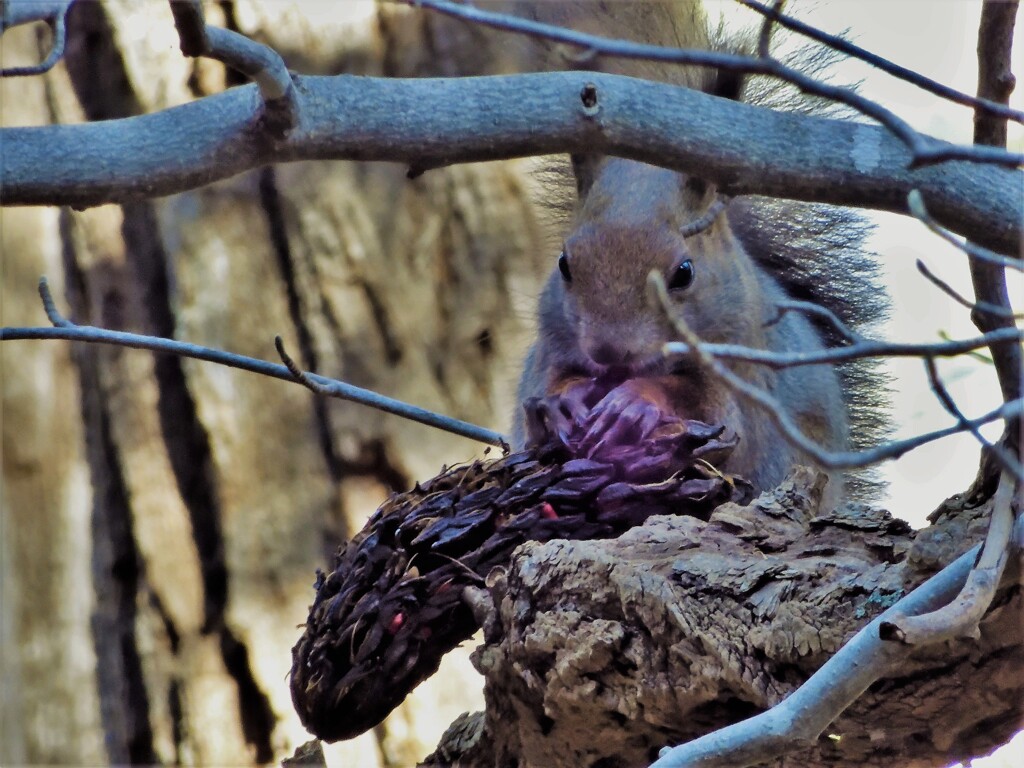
682, 367
653, 365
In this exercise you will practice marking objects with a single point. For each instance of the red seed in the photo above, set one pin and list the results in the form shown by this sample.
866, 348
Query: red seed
396, 623
548, 512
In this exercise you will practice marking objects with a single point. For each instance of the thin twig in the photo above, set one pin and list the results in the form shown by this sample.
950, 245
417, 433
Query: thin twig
1006, 459
260, 63
14, 13
961, 616
716, 209
859, 349
64, 329
924, 150
852, 338
981, 357
996, 82
190, 22
980, 306
939, 388
50, 307
810, 308
837, 43
790, 432
55, 15
293, 368
915, 204
764, 40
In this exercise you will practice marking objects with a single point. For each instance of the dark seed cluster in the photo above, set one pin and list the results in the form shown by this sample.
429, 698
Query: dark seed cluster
393, 605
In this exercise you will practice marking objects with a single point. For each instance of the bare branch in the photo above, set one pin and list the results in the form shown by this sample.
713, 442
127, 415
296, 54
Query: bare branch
258, 62
980, 306
859, 349
69, 331
293, 368
1005, 458
764, 40
190, 22
995, 78
939, 388
16, 12
804, 715
716, 209
54, 315
740, 148
924, 150
915, 203
960, 617
842, 45
790, 432
811, 308
996, 82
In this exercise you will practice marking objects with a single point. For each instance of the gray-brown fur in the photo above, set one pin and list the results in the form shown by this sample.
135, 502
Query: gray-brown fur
626, 222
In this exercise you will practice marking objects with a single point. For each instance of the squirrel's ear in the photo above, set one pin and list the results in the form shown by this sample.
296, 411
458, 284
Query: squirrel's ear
728, 85
584, 168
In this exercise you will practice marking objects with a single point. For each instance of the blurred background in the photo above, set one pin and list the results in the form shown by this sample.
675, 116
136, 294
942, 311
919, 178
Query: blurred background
161, 520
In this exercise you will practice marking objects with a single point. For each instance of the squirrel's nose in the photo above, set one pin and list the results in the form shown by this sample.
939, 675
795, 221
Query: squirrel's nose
606, 353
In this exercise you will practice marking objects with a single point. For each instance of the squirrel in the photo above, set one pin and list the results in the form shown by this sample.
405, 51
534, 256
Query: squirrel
726, 265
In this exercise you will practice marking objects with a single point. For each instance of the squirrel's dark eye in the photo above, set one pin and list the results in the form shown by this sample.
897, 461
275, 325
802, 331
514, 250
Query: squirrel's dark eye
563, 267
682, 276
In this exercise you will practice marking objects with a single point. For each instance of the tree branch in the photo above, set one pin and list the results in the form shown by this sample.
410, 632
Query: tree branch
13, 13
996, 82
764, 39
258, 62
790, 431
960, 617
65, 329
432, 122
858, 349
1006, 458
804, 715
915, 204
924, 150
947, 401
54, 12
977, 306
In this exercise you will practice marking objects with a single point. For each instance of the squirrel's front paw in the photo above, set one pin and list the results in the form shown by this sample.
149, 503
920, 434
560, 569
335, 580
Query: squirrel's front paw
625, 416
553, 419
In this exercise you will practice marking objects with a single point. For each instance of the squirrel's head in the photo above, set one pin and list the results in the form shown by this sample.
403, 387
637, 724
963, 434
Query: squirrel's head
635, 219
